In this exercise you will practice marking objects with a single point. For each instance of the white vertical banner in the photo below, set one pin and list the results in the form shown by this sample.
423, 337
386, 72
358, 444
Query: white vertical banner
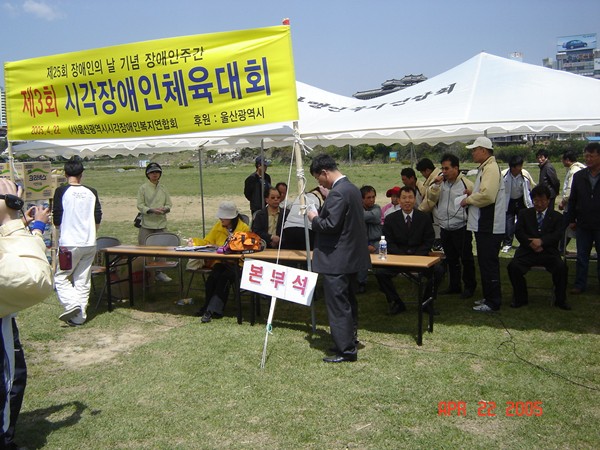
279, 281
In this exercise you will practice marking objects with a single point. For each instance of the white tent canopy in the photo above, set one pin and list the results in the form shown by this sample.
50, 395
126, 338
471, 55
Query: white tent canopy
486, 94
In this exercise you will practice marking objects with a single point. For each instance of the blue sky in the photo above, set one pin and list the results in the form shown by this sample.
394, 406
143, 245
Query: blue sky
341, 46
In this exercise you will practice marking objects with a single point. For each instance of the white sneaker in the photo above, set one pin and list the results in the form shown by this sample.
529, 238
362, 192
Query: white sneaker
161, 276
479, 302
506, 248
483, 308
70, 313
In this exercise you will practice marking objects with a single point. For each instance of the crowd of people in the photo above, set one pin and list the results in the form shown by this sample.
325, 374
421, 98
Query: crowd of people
444, 211
341, 223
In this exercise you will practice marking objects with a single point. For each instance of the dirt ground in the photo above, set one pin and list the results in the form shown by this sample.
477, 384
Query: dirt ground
94, 346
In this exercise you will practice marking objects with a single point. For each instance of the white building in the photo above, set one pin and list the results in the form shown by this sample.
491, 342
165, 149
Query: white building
2, 107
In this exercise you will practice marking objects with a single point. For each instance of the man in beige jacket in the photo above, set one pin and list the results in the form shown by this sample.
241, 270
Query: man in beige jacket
25, 280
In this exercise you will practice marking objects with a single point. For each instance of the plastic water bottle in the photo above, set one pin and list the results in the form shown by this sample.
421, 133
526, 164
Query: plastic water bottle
382, 248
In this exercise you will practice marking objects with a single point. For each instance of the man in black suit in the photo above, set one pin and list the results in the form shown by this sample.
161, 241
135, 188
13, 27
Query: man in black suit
407, 232
339, 253
539, 231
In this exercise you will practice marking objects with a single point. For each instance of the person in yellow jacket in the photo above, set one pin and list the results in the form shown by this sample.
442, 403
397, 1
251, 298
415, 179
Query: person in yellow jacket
222, 274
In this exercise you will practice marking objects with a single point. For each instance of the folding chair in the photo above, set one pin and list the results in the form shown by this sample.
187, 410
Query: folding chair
196, 266
151, 264
99, 266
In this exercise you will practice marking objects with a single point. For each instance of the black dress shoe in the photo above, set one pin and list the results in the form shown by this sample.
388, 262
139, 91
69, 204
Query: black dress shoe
449, 291
340, 358
517, 304
397, 308
467, 293
563, 306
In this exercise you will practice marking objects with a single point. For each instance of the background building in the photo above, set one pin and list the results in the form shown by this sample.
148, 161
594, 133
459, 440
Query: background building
2, 107
389, 86
2, 112
577, 54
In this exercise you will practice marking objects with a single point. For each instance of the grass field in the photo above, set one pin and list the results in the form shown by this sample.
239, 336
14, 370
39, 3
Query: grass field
153, 377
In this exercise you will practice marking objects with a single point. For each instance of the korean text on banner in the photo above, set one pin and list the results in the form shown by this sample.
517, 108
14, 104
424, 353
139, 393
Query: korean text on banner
168, 86
283, 282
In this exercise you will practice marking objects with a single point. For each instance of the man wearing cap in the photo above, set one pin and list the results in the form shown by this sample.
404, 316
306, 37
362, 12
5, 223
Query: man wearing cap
223, 274
394, 195
154, 202
76, 212
452, 219
256, 184
487, 219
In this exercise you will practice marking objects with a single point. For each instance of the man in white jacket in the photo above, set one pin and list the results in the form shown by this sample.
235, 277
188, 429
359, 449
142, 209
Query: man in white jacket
569, 160
518, 183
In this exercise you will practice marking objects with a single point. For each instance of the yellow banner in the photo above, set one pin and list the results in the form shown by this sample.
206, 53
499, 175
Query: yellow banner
168, 86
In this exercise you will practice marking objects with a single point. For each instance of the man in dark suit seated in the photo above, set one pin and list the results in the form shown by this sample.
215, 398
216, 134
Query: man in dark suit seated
407, 232
539, 231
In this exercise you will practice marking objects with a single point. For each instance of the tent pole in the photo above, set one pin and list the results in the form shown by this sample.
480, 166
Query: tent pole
11, 160
201, 189
301, 193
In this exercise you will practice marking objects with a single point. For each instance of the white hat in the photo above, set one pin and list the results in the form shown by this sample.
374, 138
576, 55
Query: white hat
227, 210
481, 142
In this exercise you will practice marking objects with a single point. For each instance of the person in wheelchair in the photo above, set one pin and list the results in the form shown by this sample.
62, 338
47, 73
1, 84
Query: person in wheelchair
223, 273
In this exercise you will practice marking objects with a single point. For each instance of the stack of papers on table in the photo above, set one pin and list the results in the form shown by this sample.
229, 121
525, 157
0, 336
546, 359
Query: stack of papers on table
196, 248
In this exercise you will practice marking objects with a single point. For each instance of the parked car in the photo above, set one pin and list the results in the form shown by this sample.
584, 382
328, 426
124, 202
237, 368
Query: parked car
576, 43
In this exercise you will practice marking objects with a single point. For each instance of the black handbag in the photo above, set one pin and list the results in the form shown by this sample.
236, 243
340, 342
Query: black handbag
137, 222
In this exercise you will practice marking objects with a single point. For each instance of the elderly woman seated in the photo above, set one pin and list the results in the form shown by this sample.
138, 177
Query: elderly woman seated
222, 273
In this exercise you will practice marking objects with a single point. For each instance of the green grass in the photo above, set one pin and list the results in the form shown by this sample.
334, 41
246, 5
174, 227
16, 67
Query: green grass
153, 376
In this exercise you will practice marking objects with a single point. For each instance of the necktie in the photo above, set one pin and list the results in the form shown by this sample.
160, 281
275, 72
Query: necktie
540, 219
408, 222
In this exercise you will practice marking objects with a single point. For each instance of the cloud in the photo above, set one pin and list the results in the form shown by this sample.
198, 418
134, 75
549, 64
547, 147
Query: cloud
41, 10
10, 7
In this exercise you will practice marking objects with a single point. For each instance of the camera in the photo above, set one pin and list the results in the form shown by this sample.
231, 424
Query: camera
12, 201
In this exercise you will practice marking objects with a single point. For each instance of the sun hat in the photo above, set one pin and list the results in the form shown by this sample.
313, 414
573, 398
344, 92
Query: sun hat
481, 141
227, 210
393, 191
153, 167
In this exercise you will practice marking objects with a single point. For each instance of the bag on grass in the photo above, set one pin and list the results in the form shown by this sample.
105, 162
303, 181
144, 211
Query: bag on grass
243, 242
137, 222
